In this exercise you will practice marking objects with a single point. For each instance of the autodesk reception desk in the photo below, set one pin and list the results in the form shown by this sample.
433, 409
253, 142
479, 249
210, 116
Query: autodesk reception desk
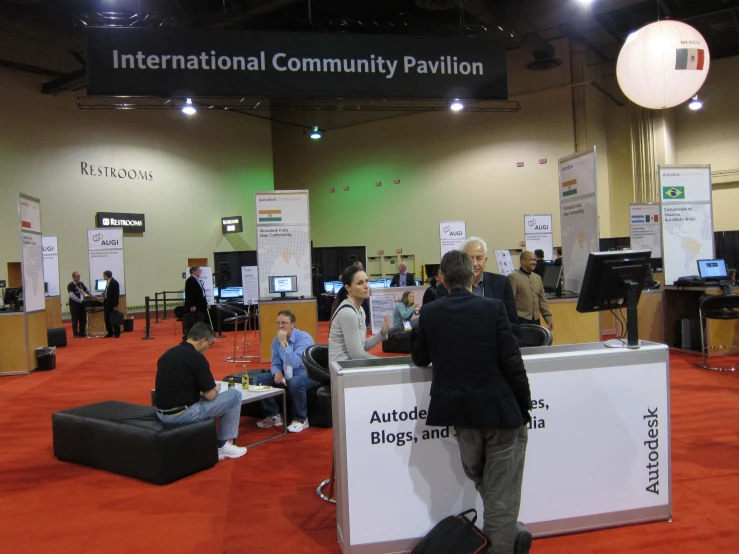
598, 452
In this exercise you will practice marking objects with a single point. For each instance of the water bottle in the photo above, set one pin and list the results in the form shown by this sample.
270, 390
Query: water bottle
230, 382
244, 378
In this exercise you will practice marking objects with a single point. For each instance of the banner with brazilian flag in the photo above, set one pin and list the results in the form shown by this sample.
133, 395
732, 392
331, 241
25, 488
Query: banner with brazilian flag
673, 193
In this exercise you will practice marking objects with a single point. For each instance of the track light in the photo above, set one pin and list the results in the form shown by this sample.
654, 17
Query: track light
695, 104
188, 108
315, 134
456, 105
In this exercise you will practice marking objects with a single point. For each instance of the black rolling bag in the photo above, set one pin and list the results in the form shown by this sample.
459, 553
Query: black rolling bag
454, 535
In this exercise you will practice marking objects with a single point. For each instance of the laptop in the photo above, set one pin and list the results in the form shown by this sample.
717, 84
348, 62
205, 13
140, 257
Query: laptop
712, 270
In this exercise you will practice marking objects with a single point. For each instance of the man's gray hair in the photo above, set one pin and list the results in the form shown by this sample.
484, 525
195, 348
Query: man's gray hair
200, 331
458, 270
471, 242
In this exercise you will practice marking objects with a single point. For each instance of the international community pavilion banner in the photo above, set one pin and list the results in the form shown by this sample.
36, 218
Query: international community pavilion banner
578, 202
687, 219
182, 63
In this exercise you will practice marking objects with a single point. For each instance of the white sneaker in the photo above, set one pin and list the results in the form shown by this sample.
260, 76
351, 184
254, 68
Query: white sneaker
297, 426
270, 421
230, 450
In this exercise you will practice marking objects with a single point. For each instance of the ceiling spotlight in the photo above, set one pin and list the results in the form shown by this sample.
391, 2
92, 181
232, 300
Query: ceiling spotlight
188, 108
315, 134
586, 2
456, 105
695, 104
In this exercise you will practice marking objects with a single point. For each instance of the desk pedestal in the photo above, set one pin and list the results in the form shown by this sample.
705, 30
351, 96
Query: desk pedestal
20, 335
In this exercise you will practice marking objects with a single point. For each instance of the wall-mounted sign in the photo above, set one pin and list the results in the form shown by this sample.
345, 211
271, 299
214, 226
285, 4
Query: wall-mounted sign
179, 63
232, 224
117, 172
131, 223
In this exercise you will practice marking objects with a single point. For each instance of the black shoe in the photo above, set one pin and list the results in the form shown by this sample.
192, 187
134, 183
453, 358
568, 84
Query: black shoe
523, 540
117, 336
108, 337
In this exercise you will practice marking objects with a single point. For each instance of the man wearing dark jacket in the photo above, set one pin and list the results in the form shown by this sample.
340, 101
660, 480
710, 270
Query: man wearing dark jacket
480, 387
196, 304
489, 285
110, 305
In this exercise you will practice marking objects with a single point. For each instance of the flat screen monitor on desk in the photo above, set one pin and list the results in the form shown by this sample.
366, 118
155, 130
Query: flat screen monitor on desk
10, 298
216, 292
232, 292
283, 284
712, 270
338, 285
100, 285
377, 284
330, 286
552, 276
614, 280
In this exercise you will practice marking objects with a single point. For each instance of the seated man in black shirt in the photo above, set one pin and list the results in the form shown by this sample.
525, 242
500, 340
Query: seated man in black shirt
187, 392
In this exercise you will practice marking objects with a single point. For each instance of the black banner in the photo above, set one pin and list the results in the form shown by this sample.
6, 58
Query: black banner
131, 223
176, 63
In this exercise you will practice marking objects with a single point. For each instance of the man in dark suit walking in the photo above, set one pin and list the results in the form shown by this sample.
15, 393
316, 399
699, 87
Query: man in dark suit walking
196, 303
480, 387
486, 284
110, 305
403, 278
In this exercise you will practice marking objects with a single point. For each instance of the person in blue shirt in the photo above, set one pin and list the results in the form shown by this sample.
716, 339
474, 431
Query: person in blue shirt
287, 371
404, 309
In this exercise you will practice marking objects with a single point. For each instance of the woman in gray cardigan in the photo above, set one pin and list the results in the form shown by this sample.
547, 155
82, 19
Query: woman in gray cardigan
347, 336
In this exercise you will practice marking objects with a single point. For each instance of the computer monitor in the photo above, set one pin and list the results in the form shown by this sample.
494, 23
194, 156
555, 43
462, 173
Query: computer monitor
338, 285
377, 285
552, 277
232, 292
100, 285
216, 292
613, 280
328, 287
283, 284
714, 270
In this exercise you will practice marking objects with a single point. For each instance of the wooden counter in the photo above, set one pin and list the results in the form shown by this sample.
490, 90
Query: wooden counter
53, 312
306, 319
570, 326
20, 335
96, 320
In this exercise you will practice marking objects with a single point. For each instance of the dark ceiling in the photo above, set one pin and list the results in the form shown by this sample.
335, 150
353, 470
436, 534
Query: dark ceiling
602, 25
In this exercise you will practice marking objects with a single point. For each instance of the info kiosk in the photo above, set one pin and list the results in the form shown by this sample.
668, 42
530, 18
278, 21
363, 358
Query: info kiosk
305, 310
599, 440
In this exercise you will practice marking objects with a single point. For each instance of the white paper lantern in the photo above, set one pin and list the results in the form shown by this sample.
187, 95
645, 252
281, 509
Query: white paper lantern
663, 64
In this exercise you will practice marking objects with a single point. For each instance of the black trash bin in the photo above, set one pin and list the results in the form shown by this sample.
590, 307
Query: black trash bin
46, 358
128, 325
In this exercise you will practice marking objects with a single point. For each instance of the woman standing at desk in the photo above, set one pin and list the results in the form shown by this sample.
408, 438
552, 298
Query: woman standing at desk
347, 336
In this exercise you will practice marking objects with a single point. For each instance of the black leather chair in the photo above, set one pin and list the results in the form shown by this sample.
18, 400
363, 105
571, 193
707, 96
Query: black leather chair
720, 306
179, 313
315, 360
535, 335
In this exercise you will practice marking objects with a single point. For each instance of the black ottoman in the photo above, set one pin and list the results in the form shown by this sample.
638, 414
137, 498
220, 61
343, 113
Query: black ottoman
56, 336
129, 439
398, 343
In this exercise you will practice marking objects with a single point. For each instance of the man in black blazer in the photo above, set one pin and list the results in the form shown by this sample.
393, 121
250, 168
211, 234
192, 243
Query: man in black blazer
480, 387
489, 285
196, 302
541, 266
403, 278
110, 305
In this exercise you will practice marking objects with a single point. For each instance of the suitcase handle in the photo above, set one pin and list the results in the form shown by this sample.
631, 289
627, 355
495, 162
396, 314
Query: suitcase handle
474, 515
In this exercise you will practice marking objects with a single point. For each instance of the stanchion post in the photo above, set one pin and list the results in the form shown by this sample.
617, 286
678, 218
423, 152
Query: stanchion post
148, 321
220, 332
165, 305
156, 306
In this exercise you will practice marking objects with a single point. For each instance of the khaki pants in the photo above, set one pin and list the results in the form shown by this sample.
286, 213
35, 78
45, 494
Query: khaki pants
493, 460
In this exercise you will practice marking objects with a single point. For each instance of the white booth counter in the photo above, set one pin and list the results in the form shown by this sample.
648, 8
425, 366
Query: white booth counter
598, 452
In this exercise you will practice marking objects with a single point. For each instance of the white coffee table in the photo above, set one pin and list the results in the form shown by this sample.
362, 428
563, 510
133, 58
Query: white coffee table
248, 396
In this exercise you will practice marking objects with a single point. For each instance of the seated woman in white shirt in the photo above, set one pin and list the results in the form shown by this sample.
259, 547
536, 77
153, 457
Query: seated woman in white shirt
347, 336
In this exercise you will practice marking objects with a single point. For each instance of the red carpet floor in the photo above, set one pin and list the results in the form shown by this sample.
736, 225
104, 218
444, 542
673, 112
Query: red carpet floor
265, 502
